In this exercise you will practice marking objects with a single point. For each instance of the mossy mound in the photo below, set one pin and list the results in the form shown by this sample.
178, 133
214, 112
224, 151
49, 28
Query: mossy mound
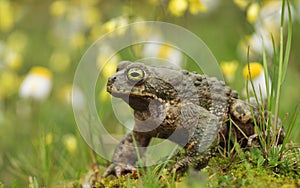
247, 169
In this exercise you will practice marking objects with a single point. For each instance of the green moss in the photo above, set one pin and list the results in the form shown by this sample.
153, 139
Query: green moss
250, 170
122, 181
149, 178
226, 172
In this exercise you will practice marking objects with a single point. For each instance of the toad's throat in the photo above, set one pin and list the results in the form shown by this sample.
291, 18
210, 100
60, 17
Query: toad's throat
139, 102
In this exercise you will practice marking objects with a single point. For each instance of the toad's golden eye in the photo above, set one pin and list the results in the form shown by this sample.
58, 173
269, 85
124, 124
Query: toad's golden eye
135, 74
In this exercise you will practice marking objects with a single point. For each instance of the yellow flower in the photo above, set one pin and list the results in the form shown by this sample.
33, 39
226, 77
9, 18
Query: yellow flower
77, 40
103, 95
60, 61
6, 15
242, 4
58, 8
110, 26
37, 84
17, 41
42, 71
254, 68
109, 68
229, 68
197, 6
116, 23
49, 138
65, 94
70, 142
13, 60
92, 16
164, 51
253, 12
178, 7
257, 75
95, 32
107, 65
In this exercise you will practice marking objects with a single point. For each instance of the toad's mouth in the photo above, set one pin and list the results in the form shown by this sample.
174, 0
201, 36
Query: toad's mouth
136, 98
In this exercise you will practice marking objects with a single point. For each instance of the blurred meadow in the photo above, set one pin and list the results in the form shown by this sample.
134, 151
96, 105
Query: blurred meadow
42, 42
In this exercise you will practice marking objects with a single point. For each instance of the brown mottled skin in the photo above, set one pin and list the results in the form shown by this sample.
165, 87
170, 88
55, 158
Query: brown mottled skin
187, 108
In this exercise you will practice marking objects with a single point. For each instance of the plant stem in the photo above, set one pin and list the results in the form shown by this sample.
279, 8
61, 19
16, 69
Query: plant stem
279, 81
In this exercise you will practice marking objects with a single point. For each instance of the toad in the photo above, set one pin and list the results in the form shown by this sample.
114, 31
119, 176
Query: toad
193, 110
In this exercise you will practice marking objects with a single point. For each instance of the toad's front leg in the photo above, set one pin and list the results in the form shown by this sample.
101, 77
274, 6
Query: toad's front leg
204, 132
125, 155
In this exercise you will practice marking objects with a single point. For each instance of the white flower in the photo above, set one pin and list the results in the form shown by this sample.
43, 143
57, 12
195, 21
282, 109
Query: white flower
259, 41
86, 185
258, 80
164, 52
267, 22
270, 17
37, 84
71, 94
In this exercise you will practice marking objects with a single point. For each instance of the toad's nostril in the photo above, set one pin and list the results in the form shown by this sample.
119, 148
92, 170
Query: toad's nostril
112, 79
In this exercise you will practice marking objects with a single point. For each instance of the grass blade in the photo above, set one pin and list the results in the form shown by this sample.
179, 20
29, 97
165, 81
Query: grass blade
289, 41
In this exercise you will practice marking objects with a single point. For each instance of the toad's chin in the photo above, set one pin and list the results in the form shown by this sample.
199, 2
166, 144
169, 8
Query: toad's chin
137, 98
139, 102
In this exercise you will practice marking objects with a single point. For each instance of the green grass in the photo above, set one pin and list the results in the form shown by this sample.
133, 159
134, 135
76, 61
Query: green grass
269, 140
28, 160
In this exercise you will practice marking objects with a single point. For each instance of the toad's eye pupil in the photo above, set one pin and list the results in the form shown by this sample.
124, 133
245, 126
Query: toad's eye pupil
134, 74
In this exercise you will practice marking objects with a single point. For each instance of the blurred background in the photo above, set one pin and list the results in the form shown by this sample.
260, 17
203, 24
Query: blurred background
42, 42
